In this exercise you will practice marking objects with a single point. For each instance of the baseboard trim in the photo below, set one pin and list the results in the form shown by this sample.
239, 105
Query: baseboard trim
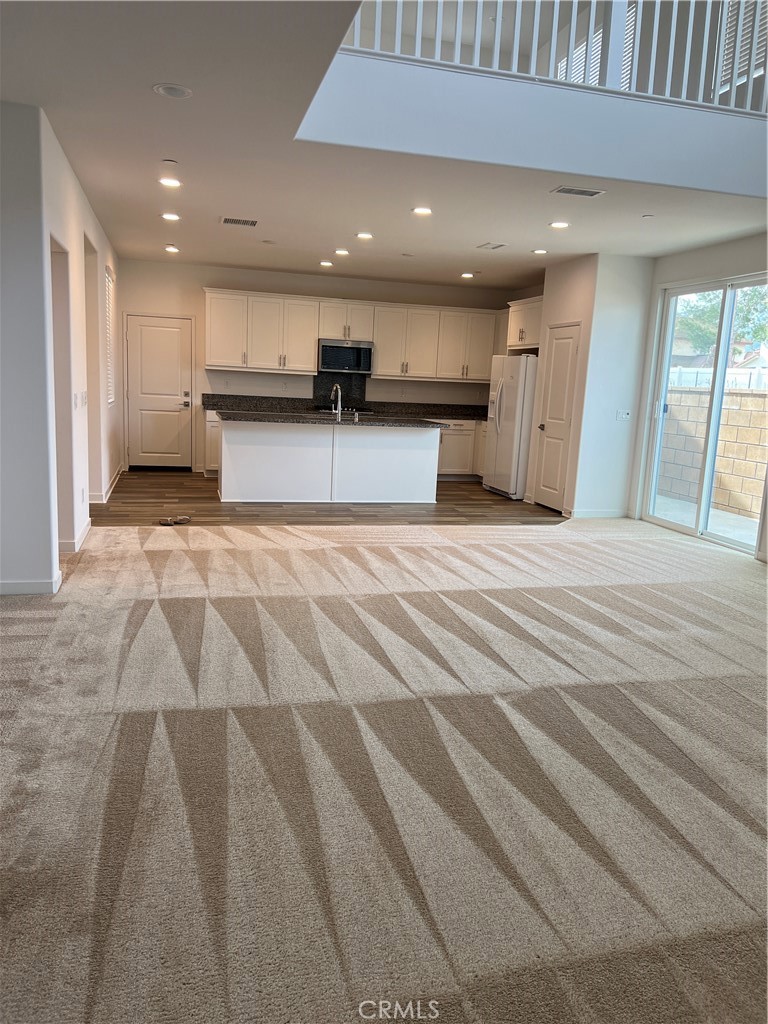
9, 587
68, 547
595, 513
101, 498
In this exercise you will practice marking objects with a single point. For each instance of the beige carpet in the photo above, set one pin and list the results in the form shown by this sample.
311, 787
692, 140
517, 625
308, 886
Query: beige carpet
267, 775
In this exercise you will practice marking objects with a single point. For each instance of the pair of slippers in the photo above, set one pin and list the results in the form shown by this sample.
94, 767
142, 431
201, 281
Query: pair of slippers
175, 521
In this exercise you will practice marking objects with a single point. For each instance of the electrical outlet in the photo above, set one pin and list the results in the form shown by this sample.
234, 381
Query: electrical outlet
285, 386
82, 495
622, 414
226, 383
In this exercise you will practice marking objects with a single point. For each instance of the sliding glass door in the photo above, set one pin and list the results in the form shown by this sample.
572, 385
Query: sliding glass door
711, 438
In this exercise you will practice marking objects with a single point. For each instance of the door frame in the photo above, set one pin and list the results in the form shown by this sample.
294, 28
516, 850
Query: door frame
196, 402
654, 424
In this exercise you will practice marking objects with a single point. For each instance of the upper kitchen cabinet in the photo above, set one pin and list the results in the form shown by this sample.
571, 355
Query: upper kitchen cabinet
466, 345
524, 327
226, 329
270, 333
405, 342
348, 321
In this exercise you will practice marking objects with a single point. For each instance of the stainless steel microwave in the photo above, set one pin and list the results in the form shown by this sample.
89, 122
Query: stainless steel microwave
339, 356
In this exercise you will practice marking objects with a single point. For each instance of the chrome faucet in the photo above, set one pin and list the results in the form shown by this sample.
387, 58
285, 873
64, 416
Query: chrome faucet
336, 394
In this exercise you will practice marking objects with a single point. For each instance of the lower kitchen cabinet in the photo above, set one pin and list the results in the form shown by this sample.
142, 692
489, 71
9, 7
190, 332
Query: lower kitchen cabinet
457, 447
212, 442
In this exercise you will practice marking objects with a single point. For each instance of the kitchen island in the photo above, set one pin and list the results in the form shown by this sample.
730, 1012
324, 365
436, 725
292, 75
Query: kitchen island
295, 457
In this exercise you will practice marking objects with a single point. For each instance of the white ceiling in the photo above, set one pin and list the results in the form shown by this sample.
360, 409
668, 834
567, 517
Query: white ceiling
253, 69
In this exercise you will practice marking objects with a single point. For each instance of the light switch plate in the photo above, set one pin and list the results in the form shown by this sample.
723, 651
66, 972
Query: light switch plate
622, 414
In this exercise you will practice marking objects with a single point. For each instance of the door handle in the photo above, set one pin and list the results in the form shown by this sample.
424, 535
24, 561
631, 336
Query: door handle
183, 405
541, 426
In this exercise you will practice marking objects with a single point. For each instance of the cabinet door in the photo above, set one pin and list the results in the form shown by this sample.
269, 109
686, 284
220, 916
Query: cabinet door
480, 335
389, 329
265, 330
300, 318
226, 329
212, 435
421, 339
457, 450
532, 323
451, 345
515, 326
360, 322
333, 320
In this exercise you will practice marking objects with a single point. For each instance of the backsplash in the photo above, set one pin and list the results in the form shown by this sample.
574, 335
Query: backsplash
262, 403
352, 388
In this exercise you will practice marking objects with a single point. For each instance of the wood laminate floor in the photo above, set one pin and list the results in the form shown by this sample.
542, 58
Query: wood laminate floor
141, 497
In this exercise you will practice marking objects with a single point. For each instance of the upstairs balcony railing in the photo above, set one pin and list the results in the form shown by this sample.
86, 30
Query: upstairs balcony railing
709, 52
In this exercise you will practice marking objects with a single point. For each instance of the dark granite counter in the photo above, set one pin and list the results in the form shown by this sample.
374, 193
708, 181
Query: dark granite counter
400, 410
326, 419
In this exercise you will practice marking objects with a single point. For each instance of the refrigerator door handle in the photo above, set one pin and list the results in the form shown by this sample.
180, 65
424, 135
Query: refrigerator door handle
497, 404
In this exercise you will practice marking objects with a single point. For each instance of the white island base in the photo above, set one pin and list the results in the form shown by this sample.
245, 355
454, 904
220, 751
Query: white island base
353, 463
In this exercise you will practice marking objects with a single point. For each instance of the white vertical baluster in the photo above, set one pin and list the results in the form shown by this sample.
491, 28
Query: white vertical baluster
516, 44
654, 46
459, 30
478, 34
590, 39
571, 40
671, 51
532, 64
615, 43
724, 8
687, 59
736, 56
399, 27
753, 52
439, 31
419, 28
639, 20
553, 41
497, 34
356, 29
377, 27
704, 50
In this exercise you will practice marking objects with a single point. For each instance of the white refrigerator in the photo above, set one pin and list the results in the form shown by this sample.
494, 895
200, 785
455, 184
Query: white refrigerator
510, 411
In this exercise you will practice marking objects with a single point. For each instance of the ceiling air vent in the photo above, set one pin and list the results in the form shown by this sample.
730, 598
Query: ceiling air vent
588, 193
493, 245
240, 222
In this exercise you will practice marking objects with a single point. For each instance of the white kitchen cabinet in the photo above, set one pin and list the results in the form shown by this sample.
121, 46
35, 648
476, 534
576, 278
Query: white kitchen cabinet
265, 333
457, 447
226, 329
282, 334
300, 319
478, 460
524, 328
351, 321
212, 440
405, 342
465, 345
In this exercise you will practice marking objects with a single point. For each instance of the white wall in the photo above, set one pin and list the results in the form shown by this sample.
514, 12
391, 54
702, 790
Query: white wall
614, 382
42, 203
740, 257
509, 121
176, 289
29, 560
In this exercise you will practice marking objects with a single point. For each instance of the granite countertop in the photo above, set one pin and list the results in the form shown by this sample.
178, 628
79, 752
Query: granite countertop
366, 419
308, 406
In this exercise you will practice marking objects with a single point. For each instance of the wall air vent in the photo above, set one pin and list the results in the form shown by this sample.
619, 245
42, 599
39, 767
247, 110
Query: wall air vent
588, 193
239, 222
493, 245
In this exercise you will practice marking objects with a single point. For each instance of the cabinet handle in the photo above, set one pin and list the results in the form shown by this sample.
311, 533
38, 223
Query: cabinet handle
243, 358
406, 367
402, 367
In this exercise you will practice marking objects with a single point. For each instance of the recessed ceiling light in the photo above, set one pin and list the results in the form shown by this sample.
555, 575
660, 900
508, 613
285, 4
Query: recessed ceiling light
325, 263
559, 224
364, 234
172, 92
467, 275
342, 252
171, 216
169, 174
539, 252
172, 248
421, 211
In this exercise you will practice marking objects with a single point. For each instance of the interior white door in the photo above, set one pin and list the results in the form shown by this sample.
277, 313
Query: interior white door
555, 424
159, 391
